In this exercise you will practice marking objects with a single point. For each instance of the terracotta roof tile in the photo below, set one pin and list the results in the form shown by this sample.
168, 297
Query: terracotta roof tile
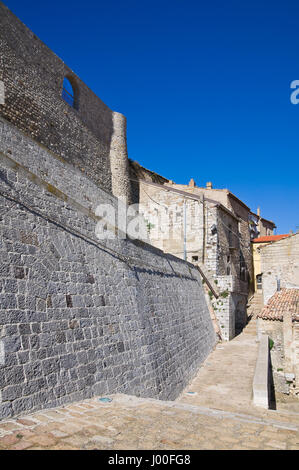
270, 238
285, 300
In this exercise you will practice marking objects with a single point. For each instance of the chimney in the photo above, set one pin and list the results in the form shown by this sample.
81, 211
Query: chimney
258, 211
192, 183
209, 185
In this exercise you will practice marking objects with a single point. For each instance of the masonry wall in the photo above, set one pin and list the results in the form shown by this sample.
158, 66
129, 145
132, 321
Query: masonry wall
230, 306
242, 212
266, 227
165, 212
139, 173
89, 136
219, 250
228, 244
79, 316
280, 260
274, 328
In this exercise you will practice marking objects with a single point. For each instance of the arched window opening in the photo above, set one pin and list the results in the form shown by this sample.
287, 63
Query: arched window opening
69, 93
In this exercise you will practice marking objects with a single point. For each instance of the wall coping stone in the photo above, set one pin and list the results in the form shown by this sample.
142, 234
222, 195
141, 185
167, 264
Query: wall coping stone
261, 380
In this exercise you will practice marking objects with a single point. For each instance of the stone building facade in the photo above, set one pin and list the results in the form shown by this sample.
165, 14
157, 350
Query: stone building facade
257, 244
260, 227
241, 211
86, 134
210, 239
280, 265
266, 227
79, 316
280, 320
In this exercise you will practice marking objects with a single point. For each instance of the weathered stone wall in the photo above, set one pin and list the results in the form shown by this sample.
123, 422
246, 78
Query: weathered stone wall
138, 173
280, 260
211, 238
80, 317
165, 211
266, 227
228, 263
242, 212
239, 307
52, 169
239, 210
85, 136
274, 329
230, 306
218, 249
121, 184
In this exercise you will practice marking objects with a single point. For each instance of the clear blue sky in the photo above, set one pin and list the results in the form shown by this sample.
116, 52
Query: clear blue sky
205, 86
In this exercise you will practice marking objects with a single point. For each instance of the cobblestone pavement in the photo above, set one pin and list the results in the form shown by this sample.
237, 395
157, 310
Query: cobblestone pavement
217, 415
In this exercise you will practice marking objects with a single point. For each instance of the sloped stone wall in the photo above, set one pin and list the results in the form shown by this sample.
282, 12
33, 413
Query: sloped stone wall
85, 135
79, 317
280, 261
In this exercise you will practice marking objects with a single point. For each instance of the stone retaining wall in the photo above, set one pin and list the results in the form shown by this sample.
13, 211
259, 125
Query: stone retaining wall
80, 317
88, 135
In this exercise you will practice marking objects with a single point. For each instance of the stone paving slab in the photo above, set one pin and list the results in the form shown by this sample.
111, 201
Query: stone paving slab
224, 381
218, 416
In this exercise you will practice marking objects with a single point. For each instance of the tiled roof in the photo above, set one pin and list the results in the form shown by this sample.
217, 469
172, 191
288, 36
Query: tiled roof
285, 300
270, 238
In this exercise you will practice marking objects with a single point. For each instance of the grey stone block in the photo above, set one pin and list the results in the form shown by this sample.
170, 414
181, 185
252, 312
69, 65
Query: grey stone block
12, 344
6, 410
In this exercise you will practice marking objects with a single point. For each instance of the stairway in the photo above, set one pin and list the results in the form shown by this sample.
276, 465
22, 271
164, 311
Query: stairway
255, 304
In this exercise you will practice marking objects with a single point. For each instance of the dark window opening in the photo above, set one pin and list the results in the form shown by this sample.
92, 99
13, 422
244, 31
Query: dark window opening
69, 93
194, 258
